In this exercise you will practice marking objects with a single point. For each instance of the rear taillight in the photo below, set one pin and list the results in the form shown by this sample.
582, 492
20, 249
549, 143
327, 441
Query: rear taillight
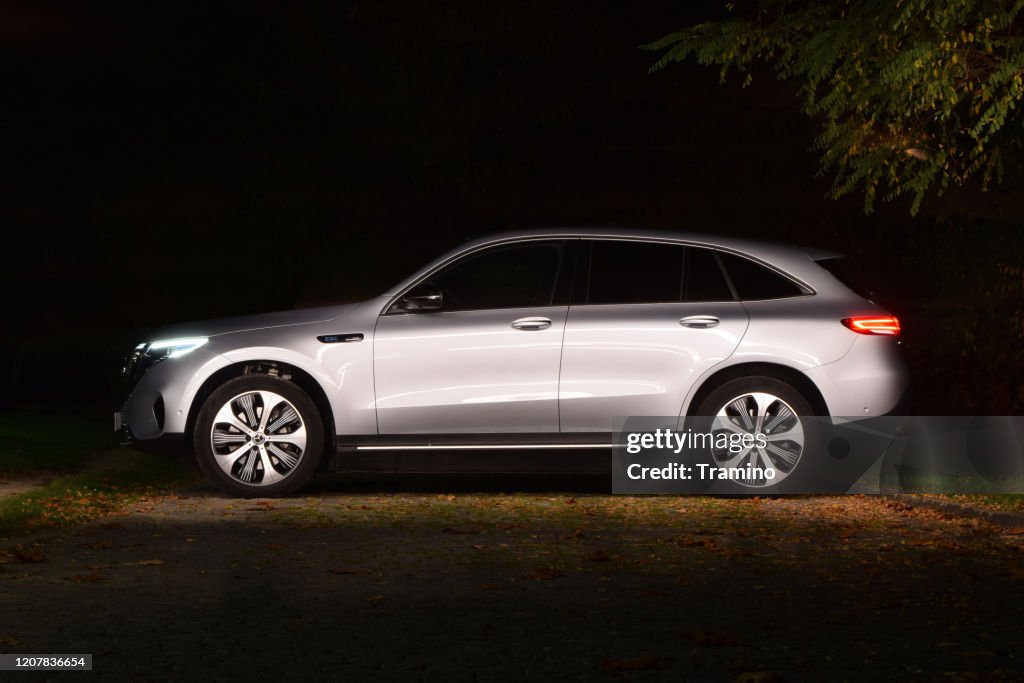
874, 324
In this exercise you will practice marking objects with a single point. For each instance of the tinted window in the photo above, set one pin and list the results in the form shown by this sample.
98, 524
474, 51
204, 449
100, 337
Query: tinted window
842, 271
503, 277
754, 281
634, 272
704, 278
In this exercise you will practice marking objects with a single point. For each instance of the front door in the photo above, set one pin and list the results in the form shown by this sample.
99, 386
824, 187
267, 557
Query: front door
487, 360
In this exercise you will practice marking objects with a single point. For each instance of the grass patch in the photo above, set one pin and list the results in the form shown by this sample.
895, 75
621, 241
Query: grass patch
50, 442
93, 477
82, 496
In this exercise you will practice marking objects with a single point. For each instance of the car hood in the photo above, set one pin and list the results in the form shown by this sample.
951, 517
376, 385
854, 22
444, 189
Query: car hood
245, 323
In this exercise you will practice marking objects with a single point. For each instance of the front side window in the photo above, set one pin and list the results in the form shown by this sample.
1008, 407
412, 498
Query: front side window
513, 276
625, 272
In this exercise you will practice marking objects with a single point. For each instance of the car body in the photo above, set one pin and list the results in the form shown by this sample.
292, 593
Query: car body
537, 338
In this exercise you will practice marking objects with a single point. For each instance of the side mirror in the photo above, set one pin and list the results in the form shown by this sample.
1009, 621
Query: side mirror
421, 299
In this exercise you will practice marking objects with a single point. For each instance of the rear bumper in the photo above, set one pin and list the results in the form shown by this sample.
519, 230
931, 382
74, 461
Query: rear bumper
870, 380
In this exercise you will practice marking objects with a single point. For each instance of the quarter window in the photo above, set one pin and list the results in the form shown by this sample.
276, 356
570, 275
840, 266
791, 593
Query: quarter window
753, 281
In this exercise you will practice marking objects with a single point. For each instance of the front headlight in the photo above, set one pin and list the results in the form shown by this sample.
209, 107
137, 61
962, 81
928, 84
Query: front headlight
172, 348
147, 354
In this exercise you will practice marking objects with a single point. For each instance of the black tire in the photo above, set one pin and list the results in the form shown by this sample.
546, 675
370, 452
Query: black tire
295, 477
725, 394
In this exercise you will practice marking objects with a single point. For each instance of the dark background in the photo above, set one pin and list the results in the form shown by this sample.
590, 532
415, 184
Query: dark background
174, 162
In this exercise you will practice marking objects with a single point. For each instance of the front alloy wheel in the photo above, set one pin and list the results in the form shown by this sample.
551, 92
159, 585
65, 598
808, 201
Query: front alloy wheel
259, 436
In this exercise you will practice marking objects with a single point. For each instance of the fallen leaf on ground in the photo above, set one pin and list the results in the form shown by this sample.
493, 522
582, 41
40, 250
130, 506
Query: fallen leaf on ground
633, 664
29, 554
543, 573
100, 544
760, 677
88, 578
712, 639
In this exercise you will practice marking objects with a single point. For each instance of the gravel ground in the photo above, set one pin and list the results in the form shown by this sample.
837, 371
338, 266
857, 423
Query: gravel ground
419, 578
13, 485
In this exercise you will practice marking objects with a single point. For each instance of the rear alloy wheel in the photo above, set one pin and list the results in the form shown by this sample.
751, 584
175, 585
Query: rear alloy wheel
259, 436
759, 410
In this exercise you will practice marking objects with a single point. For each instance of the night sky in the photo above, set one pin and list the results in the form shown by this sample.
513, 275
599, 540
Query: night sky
168, 162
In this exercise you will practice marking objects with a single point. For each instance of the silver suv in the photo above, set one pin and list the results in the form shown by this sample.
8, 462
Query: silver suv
537, 339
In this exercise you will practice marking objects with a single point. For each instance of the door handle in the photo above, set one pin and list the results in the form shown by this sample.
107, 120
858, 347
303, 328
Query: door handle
700, 322
532, 324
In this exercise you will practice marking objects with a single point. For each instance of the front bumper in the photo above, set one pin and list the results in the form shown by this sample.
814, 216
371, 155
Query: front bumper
121, 430
160, 400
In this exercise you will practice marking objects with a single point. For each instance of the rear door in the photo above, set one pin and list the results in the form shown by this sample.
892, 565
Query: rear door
647, 319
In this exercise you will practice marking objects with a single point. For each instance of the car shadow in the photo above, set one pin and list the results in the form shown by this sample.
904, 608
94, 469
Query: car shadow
374, 482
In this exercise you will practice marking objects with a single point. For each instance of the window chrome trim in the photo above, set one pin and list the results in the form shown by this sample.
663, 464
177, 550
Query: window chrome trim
808, 290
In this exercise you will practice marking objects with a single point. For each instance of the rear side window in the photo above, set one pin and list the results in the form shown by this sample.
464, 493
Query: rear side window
624, 272
753, 281
704, 278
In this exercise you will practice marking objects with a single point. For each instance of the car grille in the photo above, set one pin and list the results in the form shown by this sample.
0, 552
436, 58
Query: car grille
136, 362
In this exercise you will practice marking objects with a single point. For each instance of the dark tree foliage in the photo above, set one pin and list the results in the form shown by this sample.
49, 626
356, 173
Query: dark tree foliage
913, 96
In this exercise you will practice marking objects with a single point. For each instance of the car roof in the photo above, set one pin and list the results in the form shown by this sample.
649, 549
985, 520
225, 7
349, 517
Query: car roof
741, 244
796, 261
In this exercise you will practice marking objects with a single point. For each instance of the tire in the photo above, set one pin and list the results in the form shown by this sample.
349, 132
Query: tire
767, 406
284, 448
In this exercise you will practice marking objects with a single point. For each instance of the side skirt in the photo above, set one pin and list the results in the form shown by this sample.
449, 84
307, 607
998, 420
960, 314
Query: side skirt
588, 453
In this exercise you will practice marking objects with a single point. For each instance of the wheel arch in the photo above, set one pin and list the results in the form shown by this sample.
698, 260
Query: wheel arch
783, 373
273, 368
